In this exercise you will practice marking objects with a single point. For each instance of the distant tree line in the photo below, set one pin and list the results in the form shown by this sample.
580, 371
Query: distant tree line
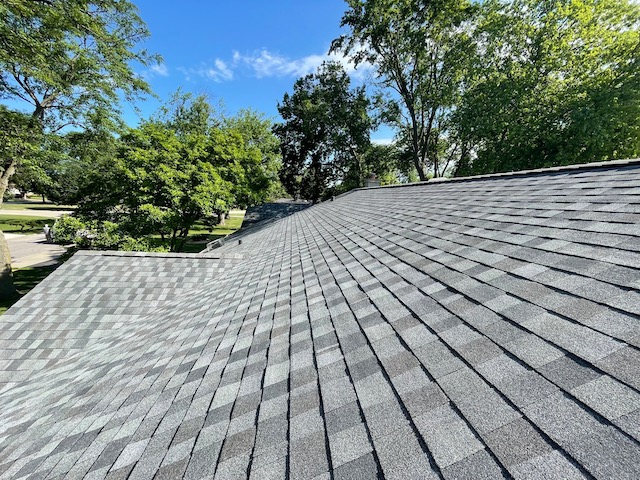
469, 88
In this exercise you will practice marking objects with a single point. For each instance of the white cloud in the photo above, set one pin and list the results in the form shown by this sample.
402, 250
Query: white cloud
218, 72
157, 70
160, 70
264, 63
382, 141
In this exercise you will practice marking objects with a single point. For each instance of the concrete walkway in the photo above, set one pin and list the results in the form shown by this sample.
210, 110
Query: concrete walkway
32, 250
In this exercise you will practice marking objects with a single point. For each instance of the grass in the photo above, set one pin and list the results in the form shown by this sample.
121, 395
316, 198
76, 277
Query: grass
23, 223
31, 205
25, 279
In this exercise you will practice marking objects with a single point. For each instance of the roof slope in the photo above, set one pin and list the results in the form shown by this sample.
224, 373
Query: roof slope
89, 297
464, 329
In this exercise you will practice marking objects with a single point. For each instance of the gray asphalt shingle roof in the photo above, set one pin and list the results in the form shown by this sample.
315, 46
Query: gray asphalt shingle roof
462, 329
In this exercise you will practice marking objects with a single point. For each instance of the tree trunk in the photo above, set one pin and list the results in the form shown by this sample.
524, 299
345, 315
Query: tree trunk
9, 170
316, 187
7, 288
418, 165
172, 244
221, 218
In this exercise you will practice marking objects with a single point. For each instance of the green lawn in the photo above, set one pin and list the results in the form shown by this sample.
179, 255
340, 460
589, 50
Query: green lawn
25, 279
201, 233
23, 223
29, 205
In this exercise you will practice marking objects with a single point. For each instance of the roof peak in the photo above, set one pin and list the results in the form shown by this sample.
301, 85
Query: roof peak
518, 173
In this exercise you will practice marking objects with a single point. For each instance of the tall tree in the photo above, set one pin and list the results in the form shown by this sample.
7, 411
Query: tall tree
81, 166
18, 137
69, 60
166, 184
416, 49
184, 164
325, 132
553, 83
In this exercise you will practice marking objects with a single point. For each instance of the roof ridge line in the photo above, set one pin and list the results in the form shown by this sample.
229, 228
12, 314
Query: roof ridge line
515, 173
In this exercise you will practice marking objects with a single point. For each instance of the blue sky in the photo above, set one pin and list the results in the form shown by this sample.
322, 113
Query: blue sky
247, 53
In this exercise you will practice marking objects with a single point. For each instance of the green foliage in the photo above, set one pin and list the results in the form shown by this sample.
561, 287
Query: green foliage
167, 182
259, 139
324, 135
20, 137
552, 83
389, 164
184, 164
70, 58
67, 228
502, 85
130, 244
96, 235
69, 62
417, 48
82, 166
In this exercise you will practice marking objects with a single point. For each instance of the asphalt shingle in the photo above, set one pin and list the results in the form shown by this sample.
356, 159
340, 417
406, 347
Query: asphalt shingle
481, 328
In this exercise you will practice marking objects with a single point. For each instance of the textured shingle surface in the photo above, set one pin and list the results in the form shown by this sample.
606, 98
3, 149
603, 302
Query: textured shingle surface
88, 299
464, 329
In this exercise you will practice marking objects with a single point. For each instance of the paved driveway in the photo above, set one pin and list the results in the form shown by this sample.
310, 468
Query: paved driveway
32, 250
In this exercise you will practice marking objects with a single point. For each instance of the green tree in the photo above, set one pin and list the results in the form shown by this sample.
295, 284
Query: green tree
184, 164
86, 166
257, 133
69, 60
390, 164
552, 83
18, 138
167, 183
417, 50
325, 133
166, 179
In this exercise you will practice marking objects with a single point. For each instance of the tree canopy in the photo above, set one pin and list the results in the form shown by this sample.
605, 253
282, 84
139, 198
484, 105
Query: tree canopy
552, 83
502, 84
325, 133
415, 47
184, 164
70, 59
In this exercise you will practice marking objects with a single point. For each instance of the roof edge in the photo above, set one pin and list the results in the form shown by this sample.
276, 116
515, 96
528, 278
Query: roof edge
118, 253
518, 173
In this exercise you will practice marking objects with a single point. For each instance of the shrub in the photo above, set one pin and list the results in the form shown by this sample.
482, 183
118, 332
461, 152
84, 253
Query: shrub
68, 229
99, 236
